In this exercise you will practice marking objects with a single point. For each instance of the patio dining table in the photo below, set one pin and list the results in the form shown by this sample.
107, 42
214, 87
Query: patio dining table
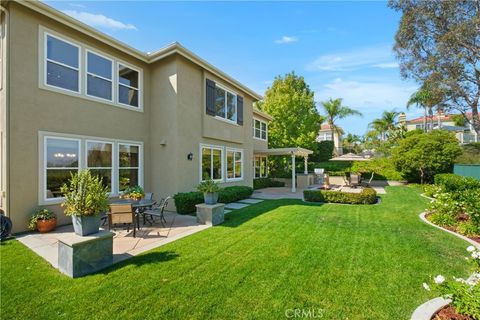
139, 206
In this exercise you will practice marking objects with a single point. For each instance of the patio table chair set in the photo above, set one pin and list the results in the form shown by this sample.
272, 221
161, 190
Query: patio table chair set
127, 212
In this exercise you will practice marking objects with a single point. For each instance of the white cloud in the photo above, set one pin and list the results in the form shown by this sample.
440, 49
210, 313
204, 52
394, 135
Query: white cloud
77, 5
286, 39
370, 57
99, 20
367, 95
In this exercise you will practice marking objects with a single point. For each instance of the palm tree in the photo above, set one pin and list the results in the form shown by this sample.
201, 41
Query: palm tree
419, 99
352, 142
334, 110
428, 98
385, 124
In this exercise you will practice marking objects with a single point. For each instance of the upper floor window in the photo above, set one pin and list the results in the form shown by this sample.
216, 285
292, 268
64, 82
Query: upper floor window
62, 64
259, 129
99, 76
76, 69
127, 86
225, 104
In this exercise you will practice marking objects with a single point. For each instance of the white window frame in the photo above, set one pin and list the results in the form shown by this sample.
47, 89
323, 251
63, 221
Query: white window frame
112, 191
112, 80
46, 60
82, 71
139, 89
222, 161
266, 129
140, 162
82, 159
225, 107
260, 168
45, 199
226, 164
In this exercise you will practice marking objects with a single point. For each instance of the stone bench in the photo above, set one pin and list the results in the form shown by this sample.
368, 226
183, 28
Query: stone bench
79, 256
210, 214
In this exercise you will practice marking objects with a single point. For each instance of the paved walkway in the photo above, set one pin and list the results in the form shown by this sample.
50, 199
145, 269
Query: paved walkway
124, 244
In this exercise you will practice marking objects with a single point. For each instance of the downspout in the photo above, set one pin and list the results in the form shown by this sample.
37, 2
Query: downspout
6, 87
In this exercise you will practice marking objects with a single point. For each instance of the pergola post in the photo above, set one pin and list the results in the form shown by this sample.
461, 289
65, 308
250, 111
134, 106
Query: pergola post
294, 183
305, 159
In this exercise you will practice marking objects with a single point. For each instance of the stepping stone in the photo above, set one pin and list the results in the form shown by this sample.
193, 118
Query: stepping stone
227, 211
236, 205
250, 200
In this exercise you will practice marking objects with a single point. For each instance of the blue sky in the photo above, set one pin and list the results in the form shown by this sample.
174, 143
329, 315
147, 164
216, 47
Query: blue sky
343, 49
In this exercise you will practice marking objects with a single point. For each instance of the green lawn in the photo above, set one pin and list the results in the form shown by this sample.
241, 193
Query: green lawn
353, 262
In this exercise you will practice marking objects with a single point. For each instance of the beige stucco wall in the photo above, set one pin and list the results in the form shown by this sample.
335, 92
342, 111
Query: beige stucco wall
3, 113
33, 109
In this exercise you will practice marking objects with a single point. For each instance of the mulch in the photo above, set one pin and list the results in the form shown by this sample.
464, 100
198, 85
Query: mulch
461, 218
449, 313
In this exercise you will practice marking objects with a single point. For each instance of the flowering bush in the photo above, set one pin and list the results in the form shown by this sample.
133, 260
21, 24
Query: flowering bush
465, 294
432, 190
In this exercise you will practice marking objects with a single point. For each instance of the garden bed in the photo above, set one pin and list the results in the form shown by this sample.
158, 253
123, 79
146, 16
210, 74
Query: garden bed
449, 313
366, 196
475, 238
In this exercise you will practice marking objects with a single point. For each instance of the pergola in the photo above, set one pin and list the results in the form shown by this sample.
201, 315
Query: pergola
293, 152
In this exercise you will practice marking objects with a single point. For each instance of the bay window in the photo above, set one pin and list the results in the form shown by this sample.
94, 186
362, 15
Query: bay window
225, 104
212, 164
62, 64
61, 159
99, 76
119, 164
234, 164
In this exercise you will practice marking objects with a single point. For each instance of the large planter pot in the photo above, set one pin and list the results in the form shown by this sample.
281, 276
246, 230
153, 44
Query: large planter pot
44, 226
85, 225
210, 197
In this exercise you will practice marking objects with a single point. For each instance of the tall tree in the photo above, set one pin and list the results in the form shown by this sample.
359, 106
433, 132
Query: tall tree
296, 120
334, 110
385, 124
438, 42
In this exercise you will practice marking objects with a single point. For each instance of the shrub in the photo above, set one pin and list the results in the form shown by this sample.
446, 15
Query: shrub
443, 219
208, 186
431, 190
366, 196
383, 168
323, 151
260, 183
453, 182
185, 201
467, 228
470, 154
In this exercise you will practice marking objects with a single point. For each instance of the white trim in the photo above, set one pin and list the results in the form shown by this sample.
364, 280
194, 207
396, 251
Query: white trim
225, 107
140, 163
222, 161
111, 80
82, 160
83, 72
261, 157
139, 89
266, 129
47, 34
112, 172
234, 150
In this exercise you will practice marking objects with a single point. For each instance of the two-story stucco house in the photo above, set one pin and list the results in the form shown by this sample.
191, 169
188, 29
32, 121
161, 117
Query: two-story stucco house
73, 98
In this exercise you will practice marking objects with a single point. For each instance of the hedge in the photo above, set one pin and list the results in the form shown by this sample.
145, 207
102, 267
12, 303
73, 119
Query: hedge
383, 168
366, 196
260, 183
185, 201
454, 182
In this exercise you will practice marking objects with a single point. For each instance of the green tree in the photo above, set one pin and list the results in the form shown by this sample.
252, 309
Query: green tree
352, 143
334, 110
385, 124
422, 155
296, 120
428, 99
438, 44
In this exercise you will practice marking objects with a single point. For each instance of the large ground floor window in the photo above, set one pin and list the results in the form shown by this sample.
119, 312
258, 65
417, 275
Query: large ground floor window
222, 164
118, 163
260, 167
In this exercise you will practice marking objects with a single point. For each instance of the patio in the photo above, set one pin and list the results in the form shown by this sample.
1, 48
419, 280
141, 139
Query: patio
124, 244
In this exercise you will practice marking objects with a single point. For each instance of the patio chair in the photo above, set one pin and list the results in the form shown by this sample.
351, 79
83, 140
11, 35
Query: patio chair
122, 214
148, 196
158, 211
354, 180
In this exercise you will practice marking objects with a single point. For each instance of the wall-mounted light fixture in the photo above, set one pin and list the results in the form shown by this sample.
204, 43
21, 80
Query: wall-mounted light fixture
190, 156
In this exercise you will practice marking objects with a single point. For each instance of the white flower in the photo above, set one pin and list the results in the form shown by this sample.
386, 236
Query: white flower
459, 280
476, 255
439, 279
426, 287
471, 249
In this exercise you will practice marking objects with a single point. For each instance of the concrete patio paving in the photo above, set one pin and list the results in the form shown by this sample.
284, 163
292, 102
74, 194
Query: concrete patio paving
124, 244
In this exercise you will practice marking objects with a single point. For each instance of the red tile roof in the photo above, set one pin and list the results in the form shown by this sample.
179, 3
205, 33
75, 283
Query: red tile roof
446, 117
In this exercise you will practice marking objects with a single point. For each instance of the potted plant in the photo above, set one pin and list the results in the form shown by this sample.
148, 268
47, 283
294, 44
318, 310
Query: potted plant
210, 191
134, 193
43, 220
85, 198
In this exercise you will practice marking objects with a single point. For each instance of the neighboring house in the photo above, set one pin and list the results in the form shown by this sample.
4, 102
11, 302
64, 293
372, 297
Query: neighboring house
74, 98
464, 134
325, 134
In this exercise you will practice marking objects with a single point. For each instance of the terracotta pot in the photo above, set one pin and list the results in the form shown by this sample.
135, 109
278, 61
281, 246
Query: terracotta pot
44, 226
